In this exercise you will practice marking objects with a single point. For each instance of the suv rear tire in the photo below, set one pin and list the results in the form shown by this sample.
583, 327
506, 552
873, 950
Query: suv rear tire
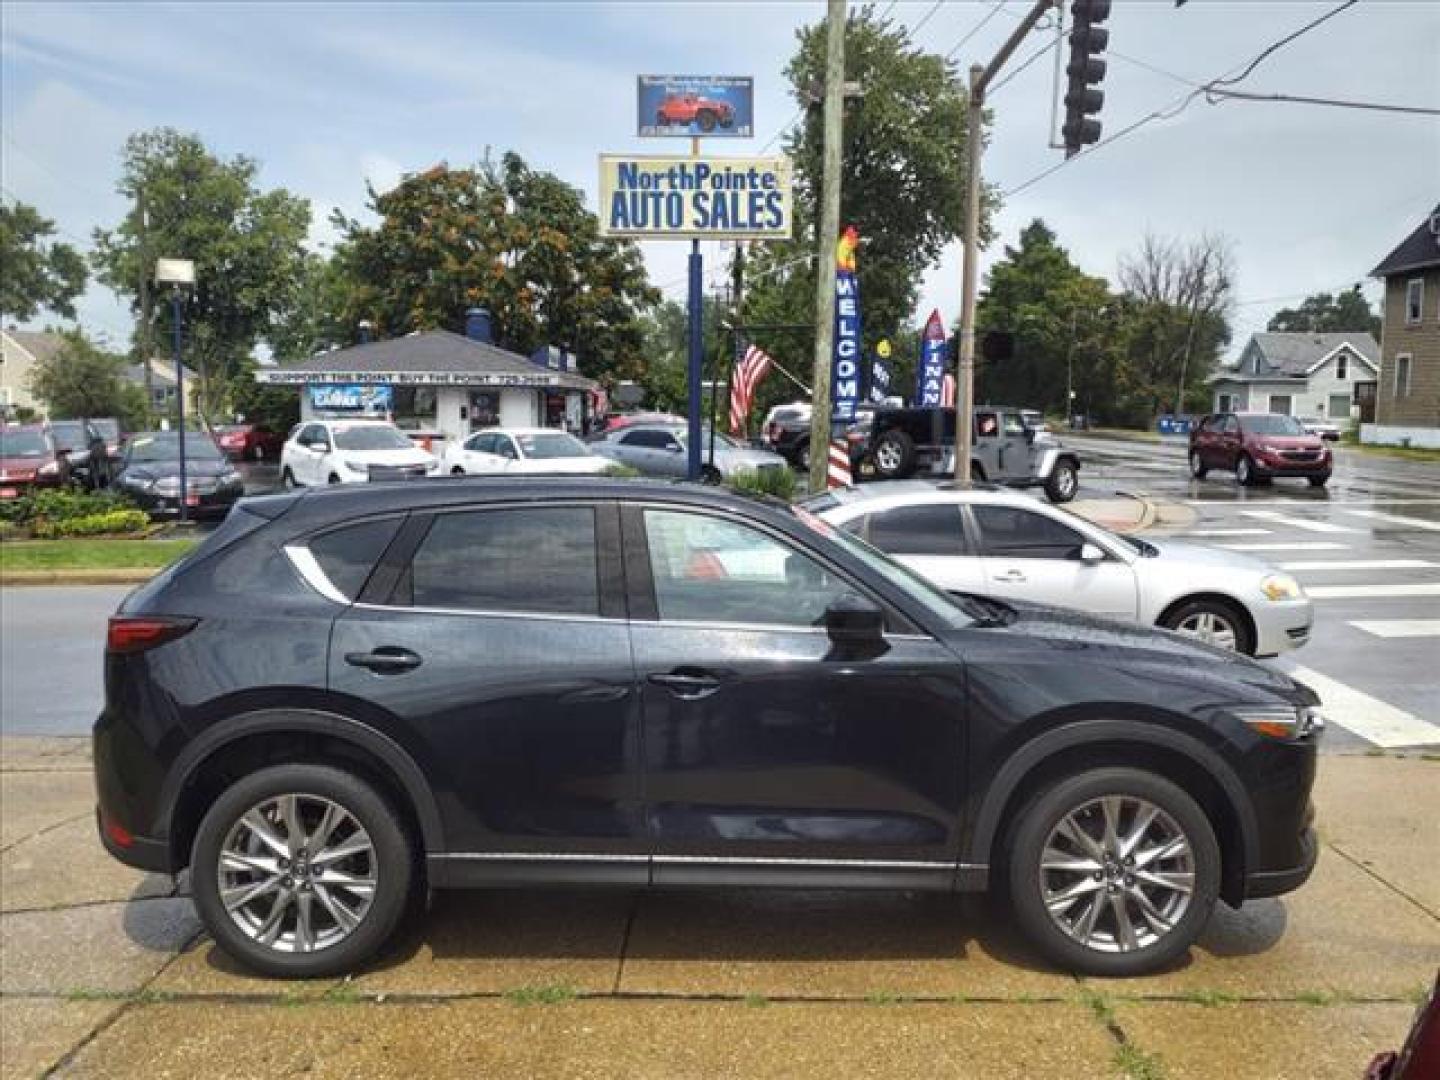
1147, 841
893, 455
334, 907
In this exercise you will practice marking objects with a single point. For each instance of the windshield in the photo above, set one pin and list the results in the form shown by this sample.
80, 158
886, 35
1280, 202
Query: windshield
26, 444
371, 437
165, 446
933, 599
1272, 424
558, 445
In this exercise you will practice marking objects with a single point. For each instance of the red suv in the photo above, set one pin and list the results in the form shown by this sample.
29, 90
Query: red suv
1257, 447
694, 109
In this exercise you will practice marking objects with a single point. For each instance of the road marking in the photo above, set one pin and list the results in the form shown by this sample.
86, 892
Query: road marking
1300, 500
1361, 564
1298, 522
1399, 591
1368, 717
1399, 628
1228, 532
1396, 519
1299, 545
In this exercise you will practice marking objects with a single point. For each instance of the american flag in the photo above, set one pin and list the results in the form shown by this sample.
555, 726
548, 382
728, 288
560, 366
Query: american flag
753, 367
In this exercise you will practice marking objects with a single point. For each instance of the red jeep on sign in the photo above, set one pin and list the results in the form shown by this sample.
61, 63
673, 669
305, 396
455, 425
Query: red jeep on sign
694, 109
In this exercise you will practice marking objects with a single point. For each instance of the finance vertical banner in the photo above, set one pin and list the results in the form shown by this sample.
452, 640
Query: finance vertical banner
845, 370
930, 376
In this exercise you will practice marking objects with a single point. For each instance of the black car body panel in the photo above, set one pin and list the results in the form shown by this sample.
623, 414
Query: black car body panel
212, 486
621, 747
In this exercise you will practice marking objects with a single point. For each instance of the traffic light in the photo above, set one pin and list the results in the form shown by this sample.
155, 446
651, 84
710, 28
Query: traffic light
1086, 70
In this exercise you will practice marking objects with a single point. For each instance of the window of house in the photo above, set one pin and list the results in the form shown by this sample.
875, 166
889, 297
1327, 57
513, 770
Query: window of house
414, 407
1342, 366
1402, 375
1280, 403
1414, 300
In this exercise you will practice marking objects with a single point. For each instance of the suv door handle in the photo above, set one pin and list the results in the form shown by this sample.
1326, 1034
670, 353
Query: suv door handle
386, 660
691, 685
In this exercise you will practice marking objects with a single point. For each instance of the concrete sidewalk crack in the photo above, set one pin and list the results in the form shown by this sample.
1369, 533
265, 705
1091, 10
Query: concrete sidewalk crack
47, 829
1388, 884
625, 942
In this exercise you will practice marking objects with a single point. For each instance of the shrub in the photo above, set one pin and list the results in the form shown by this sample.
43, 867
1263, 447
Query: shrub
109, 523
620, 470
8, 529
778, 483
61, 504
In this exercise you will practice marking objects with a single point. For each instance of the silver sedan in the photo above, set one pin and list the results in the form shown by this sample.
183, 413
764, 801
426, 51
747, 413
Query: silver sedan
1011, 547
660, 450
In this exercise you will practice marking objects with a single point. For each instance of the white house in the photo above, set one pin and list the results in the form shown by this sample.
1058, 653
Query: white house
1327, 376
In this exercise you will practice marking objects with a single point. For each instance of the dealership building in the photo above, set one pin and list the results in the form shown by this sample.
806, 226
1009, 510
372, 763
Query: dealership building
441, 383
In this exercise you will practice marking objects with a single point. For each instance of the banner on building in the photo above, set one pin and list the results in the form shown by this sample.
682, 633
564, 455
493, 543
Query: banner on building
753, 366
716, 198
691, 106
845, 370
930, 376
367, 400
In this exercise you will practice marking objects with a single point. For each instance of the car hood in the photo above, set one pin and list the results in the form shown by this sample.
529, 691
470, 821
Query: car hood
194, 469
1092, 638
403, 455
1173, 552
1288, 442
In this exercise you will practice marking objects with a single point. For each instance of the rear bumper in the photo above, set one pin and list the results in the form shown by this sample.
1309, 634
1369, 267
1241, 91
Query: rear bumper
142, 852
1265, 883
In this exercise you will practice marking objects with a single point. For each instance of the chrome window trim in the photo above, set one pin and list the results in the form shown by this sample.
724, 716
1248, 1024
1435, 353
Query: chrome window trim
719, 860
548, 616
308, 567
536, 856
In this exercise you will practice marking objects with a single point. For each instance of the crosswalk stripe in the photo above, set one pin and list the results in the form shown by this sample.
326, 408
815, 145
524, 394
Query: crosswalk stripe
1399, 591
1399, 628
1396, 519
1228, 532
1296, 545
1361, 564
1298, 522
1370, 718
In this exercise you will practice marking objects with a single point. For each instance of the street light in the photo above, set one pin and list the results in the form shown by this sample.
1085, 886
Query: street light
179, 274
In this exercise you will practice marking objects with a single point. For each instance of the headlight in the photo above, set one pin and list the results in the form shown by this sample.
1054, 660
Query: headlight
357, 466
1270, 449
1281, 587
1281, 721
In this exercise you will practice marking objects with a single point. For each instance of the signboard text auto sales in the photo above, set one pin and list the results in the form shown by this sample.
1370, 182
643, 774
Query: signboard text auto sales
682, 197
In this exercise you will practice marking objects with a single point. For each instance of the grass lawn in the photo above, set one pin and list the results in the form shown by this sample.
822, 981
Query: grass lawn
1405, 453
93, 554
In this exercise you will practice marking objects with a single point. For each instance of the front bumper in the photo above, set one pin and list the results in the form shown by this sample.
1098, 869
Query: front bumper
1281, 625
1270, 465
1265, 883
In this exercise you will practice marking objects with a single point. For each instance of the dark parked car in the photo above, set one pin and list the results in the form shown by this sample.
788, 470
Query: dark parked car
787, 432
249, 442
1257, 447
150, 475
85, 450
109, 429
29, 459
349, 693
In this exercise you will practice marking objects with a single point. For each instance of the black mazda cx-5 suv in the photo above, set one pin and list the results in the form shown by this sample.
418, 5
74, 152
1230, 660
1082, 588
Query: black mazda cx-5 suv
347, 695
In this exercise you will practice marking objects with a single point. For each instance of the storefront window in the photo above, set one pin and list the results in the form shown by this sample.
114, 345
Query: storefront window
484, 408
415, 407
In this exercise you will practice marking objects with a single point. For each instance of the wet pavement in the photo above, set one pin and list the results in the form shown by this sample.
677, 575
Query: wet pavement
105, 971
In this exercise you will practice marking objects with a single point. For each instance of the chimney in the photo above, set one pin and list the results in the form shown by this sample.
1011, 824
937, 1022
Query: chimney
365, 327
477, 325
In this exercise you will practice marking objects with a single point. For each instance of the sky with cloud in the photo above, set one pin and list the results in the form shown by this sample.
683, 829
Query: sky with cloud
328, 96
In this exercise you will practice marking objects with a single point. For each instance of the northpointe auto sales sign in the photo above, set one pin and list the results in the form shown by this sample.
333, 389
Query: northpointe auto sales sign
680, 197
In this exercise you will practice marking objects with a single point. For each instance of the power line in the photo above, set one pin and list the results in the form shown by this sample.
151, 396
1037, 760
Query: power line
999, 6
926, 17
1036, 55
1277, 46
1214, 96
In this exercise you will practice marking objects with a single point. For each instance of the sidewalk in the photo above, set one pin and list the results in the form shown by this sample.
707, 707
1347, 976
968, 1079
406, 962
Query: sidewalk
105, 972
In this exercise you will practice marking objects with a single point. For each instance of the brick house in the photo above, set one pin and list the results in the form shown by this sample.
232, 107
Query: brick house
1407, 405
1328, 376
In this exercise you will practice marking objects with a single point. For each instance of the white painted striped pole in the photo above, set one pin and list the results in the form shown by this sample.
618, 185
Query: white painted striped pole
839, 469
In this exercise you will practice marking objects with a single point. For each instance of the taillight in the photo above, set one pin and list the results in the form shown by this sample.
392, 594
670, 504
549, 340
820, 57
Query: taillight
136, 634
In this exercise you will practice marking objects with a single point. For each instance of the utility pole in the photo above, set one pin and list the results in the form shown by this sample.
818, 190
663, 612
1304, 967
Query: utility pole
980, 79
147, 344
827, 235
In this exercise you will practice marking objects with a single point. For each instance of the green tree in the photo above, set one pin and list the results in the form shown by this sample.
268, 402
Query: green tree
509, 238
903, 157
81, 380
1325, 313
246, 243
38, 274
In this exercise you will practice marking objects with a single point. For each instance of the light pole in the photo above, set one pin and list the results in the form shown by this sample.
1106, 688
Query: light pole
178, 274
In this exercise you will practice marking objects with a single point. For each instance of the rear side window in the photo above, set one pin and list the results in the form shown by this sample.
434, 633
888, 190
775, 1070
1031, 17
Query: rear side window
347, 555
540, 561
653, 439
933, 529
1020, 534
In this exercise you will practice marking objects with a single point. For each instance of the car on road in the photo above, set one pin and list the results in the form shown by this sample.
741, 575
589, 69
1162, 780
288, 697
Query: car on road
682, 110
85, 450
29, 459
522, 451
150, 475
346, 696
1011, 547
1328, 430
351, 452
661, 450
1257, 447
1005, 448
786, 431
249, 442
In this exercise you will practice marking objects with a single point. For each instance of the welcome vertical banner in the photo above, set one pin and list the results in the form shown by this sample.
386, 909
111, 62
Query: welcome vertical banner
930, 377
845, 370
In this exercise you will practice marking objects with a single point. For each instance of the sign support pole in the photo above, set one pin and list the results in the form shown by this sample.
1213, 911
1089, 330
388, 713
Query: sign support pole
696, 365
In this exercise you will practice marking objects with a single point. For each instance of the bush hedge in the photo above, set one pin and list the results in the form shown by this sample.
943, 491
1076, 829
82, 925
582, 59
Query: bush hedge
778, 483
62, 504
109, 523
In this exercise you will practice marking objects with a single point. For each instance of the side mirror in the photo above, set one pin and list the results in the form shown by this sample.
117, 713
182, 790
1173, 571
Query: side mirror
852, 620
1090, 553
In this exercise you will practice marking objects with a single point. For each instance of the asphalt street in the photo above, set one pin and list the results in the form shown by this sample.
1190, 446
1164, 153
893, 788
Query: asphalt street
1367, 549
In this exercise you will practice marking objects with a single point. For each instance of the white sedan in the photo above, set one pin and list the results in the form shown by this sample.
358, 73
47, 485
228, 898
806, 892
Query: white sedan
524, 451
349, 452
1010, 547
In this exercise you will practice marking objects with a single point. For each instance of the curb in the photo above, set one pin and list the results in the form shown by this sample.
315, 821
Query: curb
1148, 510
22, 578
